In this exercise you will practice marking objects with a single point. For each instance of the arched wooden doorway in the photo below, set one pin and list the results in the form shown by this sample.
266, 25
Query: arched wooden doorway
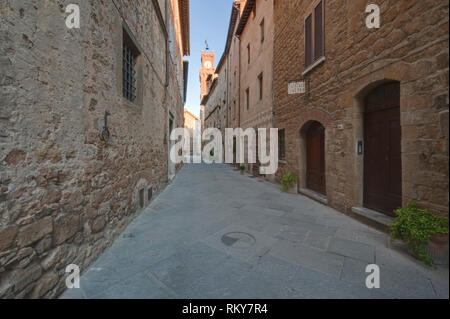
315, 157
382, 155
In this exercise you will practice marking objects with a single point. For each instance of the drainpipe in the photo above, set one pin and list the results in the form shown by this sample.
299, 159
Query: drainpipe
228, 97
167, 43
239, 84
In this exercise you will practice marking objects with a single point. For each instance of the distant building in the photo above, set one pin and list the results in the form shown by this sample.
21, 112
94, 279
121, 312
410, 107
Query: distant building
207, 71
192, 123
239, 94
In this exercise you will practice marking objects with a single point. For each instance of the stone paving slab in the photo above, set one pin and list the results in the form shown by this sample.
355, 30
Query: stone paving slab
352, 249
276, 245
327, 263
317, 240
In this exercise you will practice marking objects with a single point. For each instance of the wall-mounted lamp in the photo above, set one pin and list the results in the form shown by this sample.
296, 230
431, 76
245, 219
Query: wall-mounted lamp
359, 148
105, 131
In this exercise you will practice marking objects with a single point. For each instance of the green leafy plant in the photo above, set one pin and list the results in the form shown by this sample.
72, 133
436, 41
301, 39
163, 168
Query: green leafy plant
288, 181
416, 226
242, 167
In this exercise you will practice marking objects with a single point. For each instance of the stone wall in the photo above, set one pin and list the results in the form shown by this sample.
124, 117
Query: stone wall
65, 194
410, 47
259, 112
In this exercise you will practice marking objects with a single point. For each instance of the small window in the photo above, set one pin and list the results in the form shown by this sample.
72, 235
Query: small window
281, 145
141, 198
314, 34
248, 53
247, 98
149, 194
261, 27
130, 55
261, 86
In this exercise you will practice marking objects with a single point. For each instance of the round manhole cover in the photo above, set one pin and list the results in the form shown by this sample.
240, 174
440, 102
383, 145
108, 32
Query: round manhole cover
238, 240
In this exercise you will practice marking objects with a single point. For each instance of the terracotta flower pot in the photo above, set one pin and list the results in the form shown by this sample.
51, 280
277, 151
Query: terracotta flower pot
437, 249
292, 190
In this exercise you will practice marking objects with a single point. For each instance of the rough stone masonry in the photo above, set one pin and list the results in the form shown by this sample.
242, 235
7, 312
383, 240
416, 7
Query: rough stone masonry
65, 193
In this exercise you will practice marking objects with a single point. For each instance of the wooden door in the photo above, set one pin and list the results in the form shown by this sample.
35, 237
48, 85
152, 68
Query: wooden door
382, 156
315, 162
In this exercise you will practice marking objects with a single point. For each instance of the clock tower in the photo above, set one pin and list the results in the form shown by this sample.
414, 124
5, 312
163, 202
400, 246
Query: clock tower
206, 70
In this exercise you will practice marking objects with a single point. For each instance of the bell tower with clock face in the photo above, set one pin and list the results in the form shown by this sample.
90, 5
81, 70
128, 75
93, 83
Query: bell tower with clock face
206, 69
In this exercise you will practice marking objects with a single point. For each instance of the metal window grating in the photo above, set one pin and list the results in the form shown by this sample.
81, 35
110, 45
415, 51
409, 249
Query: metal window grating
129, 73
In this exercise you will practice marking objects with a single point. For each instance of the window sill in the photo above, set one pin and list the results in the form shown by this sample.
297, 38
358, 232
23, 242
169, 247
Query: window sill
130, 104
282, 161
313, 66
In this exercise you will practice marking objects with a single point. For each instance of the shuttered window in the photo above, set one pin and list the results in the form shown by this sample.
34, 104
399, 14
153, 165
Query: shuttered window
314, 34
281, 145
308, 42
318, 32
247, 98
261, 85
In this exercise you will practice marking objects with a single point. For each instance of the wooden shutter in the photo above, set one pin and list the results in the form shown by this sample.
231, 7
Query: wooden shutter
318, 31
308, 41
281, 145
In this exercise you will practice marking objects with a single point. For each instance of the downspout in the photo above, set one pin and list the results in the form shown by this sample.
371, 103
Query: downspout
228, 97
167, 44
239, 84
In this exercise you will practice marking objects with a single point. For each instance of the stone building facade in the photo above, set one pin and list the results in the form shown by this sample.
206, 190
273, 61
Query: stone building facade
221, 97
69, 182
207, 72
215, 102
192, 123
242, 94
371, 131
255, 32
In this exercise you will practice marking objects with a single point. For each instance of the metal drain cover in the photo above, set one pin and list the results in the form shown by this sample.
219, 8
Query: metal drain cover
238, 240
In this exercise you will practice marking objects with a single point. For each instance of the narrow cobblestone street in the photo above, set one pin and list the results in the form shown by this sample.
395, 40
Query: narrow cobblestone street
214, 233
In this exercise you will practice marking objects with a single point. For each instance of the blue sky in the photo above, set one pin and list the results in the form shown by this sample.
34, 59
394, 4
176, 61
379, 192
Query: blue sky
209, 21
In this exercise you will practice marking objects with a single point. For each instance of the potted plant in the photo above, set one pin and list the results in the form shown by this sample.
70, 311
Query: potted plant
288, 183
242, 168
425, 233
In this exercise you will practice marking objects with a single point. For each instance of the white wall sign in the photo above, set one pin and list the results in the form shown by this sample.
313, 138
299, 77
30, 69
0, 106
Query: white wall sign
296, 88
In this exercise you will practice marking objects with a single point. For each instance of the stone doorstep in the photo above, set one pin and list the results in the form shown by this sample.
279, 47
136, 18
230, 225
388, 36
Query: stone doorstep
313, 195
373, 218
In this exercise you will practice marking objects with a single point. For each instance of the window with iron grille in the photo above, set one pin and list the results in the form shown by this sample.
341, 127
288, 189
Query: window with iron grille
130, 55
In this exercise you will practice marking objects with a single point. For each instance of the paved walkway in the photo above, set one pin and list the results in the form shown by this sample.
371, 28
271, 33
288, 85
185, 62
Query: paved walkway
216, 234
